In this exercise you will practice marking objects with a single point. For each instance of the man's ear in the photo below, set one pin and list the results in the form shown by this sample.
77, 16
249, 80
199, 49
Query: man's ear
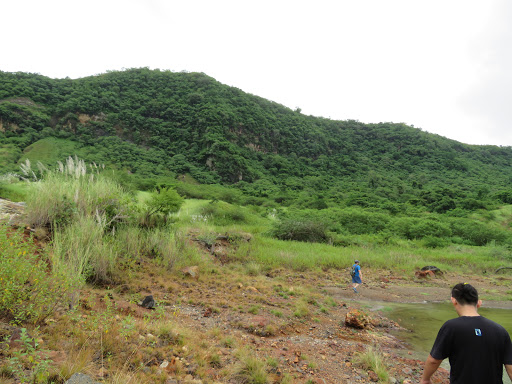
454, 301
479, 304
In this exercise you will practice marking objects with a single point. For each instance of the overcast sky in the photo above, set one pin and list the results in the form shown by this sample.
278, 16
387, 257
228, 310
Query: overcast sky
444, 66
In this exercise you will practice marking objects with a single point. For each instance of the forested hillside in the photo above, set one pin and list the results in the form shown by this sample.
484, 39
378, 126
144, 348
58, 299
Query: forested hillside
155, 125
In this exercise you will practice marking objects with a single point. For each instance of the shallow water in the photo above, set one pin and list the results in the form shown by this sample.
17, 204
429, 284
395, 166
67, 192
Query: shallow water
424, 320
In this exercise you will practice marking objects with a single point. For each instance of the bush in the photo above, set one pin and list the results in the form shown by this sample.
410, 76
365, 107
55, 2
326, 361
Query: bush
478, 233
434, 242
300, 229
28, 293
359, 221
418, 228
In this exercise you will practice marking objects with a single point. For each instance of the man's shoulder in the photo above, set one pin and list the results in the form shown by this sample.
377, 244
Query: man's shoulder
473, 321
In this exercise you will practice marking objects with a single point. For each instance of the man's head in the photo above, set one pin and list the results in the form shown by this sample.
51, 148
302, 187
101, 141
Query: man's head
356, 262
465, 294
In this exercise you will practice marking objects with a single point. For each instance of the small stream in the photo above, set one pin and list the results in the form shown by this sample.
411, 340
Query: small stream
424, 320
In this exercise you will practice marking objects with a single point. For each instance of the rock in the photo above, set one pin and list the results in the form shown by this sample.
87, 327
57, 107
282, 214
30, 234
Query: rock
192, 272
407, 371
356, 319
373, 376
384, 279
80, 378
424, 274
432, 268
148, 302
392, 380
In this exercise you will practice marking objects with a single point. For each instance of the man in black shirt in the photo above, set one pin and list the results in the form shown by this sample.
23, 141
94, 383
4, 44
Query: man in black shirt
476, 347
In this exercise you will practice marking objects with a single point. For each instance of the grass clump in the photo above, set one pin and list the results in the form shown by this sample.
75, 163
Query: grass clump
250, 370
372, 359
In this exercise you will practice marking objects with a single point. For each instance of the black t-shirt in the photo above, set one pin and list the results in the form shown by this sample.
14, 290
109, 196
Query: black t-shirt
476, 347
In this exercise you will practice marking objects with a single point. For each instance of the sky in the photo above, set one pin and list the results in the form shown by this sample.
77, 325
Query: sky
444, 66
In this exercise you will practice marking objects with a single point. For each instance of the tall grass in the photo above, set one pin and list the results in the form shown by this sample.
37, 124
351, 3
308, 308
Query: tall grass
27, 292
81, 250
166, 245
68, 191
405, 257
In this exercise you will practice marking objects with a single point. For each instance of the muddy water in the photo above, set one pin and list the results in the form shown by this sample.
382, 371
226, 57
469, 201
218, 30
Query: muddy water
424, 320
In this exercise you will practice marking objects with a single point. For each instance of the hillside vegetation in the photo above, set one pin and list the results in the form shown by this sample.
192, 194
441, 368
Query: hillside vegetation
153, 123
239, 216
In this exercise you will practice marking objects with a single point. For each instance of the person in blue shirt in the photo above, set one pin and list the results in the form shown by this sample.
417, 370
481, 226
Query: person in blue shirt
356, 278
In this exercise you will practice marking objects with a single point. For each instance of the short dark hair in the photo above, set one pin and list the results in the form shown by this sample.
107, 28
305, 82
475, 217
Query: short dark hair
357, 261
465, 293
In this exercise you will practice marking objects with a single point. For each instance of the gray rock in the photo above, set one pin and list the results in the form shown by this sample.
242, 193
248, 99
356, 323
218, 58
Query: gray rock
81, 378
148, 302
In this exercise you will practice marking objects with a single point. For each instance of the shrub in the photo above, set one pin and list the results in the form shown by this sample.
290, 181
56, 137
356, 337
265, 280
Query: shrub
359, 221
434, 242
418, 228
300, 229
478, 233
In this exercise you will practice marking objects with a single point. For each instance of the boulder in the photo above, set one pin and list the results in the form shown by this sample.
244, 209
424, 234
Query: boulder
356, 319
80, 378
192, 272
148, 302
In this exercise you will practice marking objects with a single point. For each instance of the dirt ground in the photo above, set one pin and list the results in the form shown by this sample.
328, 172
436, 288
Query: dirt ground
319, 347
295, 322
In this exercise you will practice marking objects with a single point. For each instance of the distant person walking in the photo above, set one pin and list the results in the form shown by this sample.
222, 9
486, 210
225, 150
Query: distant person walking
356, 276
477, 347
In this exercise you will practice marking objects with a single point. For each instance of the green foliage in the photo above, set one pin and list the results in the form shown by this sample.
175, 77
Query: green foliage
164, 201
30, 364
188, 132
29, 292
359, 221
300, 229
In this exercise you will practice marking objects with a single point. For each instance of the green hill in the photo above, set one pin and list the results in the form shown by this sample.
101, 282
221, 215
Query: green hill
156, 124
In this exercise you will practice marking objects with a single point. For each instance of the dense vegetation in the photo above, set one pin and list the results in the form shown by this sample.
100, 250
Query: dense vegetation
208, 140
